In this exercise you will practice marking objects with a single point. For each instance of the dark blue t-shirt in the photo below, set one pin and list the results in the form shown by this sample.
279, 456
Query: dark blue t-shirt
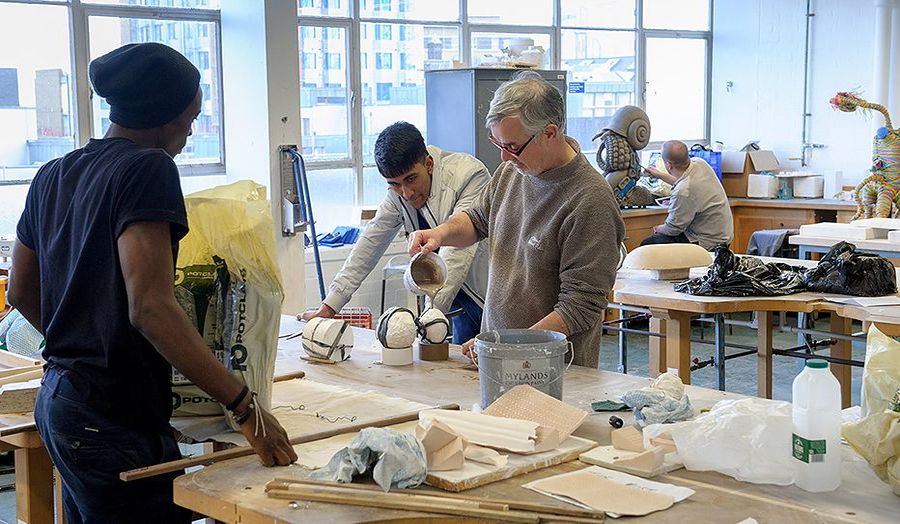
76, 208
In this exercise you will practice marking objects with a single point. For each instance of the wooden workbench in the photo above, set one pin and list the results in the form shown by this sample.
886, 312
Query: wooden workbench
232, 491
672, 312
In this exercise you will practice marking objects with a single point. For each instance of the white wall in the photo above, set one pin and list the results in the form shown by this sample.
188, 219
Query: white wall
260, 69
758, 45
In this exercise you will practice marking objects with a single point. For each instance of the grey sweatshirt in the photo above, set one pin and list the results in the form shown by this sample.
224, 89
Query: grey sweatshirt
699, 208
554, 246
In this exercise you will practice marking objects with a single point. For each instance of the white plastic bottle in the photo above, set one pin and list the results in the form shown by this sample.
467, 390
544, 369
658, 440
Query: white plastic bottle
816, 440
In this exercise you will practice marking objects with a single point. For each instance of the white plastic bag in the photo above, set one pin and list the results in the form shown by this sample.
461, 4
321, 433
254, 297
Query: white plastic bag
748, 439
881, 375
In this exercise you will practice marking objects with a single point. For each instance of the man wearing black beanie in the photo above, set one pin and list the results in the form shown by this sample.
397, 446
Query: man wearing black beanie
93, 270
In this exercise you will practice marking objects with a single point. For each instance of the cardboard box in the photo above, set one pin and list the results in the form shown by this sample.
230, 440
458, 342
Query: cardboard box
737, 166
804, 184
761, 186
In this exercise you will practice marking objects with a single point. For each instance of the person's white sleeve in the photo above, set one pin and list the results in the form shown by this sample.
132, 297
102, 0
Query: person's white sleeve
366, 253
459, 259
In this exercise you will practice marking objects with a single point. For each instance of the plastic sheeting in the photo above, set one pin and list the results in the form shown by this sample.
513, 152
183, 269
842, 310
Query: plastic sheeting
733, 276
842, 270
847, 271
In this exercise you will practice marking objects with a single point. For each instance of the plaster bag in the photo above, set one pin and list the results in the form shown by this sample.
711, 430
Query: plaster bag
748, 439
881, 374
876, 438
231, 230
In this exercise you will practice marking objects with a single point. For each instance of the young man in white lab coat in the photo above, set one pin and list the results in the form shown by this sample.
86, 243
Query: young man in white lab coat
426, 186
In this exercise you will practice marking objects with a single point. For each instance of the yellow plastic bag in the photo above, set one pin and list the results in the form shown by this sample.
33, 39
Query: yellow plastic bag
881, 374
228, 281
877, 439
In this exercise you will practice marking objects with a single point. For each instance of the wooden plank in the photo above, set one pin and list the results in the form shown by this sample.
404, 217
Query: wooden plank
12, 360
24, 376
475, 474
34, 486
764, 354
243, 451
842, 349
18, 397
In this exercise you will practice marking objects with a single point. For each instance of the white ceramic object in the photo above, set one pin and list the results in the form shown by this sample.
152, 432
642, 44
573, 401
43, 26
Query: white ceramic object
327, 338
428, 263
396, 328
433, 326
668, 261
396, 357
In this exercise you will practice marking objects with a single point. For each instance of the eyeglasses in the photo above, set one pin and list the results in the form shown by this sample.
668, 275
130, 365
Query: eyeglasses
511, 151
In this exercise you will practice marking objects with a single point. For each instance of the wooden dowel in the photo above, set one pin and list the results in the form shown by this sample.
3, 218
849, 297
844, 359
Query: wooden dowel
289, 376
21, 428
391, 501
284, 483
243, 451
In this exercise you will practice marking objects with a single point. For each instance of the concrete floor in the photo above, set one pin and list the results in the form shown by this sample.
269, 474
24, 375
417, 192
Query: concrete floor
740, 376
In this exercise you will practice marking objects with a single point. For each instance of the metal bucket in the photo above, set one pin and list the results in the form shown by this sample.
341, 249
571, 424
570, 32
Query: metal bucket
509, 357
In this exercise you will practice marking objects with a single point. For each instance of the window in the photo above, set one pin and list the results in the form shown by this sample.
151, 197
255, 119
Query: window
406, 62
332, 61
684, 14
676, 109
308, 32
599, 13
324, 98
599, 44
109, 32
601, 70
431, 10
383, 60
533, 12
492, 44
383, 91
193, 4
382, 32
323, 8
35, 99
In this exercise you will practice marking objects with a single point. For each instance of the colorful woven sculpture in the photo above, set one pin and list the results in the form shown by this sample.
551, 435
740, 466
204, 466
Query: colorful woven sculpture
879, 192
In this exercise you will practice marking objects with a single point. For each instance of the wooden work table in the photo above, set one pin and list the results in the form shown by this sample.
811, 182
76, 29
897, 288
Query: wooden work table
232, 491
750, 214
672, 312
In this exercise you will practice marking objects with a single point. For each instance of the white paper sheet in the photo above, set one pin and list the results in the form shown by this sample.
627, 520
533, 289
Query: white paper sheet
678, 493
888, 300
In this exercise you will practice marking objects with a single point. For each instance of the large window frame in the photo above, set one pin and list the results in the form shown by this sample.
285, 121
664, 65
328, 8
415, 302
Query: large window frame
354, 20
79, 14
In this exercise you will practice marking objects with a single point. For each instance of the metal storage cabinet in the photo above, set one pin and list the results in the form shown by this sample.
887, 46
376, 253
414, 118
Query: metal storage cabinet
457, 101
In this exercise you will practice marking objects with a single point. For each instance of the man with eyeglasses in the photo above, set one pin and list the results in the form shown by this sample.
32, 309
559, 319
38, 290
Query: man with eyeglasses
551, 221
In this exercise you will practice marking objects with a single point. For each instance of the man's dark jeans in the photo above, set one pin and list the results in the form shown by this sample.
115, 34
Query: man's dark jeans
90, 450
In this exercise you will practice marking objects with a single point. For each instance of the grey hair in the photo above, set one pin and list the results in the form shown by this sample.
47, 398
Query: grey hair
531, 98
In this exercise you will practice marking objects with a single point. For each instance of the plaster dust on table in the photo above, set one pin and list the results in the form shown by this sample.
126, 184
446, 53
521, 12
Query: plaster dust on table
304, 406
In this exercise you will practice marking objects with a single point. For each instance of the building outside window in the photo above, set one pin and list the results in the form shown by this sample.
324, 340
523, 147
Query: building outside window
38, 121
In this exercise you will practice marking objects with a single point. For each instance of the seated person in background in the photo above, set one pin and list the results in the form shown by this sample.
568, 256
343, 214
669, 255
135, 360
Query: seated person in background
699, 211
426, 186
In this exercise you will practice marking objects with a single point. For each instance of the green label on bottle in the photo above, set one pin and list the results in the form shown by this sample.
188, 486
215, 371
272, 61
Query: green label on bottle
809, 451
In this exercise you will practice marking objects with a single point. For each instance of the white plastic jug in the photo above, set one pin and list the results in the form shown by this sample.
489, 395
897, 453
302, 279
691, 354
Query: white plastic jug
816, 441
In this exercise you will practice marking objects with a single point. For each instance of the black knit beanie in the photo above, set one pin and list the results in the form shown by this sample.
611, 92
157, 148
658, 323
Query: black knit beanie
146, 85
